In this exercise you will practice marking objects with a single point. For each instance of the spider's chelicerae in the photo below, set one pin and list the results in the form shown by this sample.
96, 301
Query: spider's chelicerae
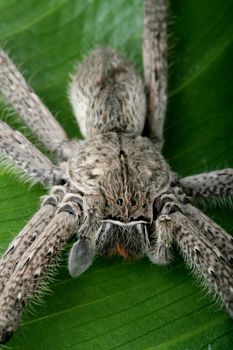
114, 190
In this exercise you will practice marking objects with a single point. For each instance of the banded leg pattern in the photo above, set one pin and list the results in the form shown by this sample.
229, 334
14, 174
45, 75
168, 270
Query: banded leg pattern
29, 234
205, 258
30, 108
16, 151
34, 264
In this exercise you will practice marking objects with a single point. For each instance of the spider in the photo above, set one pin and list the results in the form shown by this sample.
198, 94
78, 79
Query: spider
113, 189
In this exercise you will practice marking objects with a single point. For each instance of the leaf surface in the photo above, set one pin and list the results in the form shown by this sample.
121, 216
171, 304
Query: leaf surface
120, 305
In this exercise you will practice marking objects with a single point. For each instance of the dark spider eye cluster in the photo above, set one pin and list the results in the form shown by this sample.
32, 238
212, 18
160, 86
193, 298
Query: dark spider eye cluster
132, 202
120, 201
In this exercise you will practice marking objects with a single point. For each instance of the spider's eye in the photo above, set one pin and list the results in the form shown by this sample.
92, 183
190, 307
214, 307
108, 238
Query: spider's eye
120, 201
62, 182
143, 205
132, 202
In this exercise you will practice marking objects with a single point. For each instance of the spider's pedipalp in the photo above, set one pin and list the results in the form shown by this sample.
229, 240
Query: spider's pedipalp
29, 234
81, 256
161, 237
16, 150
155, 67
210, 185
204, 257
34, 265
160, 251
30, 108
83, 251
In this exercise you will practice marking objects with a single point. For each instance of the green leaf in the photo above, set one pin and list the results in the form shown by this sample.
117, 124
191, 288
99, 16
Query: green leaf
116, 304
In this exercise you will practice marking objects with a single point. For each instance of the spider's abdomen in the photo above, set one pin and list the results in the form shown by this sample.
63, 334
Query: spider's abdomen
107, 95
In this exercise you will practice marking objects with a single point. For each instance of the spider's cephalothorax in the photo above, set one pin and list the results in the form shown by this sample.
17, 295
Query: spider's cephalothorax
121, 177
114, 190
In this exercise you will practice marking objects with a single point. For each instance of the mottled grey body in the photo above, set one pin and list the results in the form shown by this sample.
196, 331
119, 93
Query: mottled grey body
103, 160
114, 189
107, 95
